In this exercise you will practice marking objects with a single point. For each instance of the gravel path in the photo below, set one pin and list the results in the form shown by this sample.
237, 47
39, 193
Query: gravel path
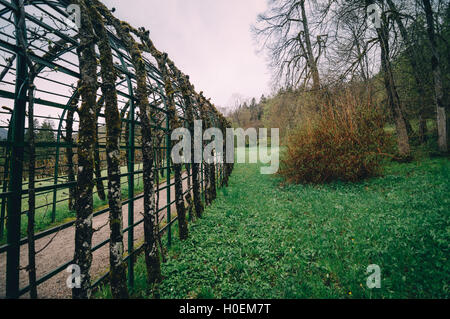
61, 250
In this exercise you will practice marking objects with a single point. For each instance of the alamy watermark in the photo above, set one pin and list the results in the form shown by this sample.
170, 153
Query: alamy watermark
221, 149
74, 18
374, 16
374, 279
74, 279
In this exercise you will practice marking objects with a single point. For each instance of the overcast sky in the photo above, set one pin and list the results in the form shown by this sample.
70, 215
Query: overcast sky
210, 40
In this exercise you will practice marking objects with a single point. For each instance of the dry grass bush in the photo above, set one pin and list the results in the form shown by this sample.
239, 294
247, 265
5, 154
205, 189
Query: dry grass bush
345, 140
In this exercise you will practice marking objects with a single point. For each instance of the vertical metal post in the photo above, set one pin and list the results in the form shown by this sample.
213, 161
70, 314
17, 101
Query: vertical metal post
55, 181
15, 185
5, 182
56, 171
201, 169
216, 172
131, 159
168, 181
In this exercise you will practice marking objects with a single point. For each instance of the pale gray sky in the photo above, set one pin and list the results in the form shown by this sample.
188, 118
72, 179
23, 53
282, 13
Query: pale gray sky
208, 39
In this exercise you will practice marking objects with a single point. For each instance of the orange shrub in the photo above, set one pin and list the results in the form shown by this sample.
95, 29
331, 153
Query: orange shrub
344, 141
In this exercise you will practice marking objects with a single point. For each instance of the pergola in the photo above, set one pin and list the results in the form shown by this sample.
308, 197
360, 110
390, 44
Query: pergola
41, 78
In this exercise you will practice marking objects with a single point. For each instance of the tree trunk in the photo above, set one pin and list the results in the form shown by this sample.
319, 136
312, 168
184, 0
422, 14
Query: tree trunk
69, 148
152, 257
196, 190
86, 145
187, 92
179, 201
422, 128
98, 169
188, 196
391, 90
213, 190
309, 51
206, 168
118, 277
31, 196
162, 61
437, 75
174, 124
412, 57
158, 170
206, 183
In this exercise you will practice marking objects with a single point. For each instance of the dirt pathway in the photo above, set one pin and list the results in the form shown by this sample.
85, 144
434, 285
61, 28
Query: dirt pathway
61, 250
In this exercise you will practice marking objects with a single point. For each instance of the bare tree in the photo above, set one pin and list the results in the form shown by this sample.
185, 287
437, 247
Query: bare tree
391, 89
437, 75
294, 48
398, 17
349, 44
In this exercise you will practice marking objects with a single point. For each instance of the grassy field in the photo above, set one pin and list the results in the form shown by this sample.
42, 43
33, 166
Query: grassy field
263, 239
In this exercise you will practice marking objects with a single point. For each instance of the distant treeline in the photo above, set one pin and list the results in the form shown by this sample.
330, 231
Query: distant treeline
395, 53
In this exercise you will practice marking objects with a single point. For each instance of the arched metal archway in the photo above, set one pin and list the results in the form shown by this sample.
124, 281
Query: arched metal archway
51, 45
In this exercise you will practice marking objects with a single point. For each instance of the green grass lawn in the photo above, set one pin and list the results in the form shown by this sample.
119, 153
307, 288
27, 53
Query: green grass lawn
263, 239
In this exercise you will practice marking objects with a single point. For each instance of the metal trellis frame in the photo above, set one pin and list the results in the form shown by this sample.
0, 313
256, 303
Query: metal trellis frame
52, 47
